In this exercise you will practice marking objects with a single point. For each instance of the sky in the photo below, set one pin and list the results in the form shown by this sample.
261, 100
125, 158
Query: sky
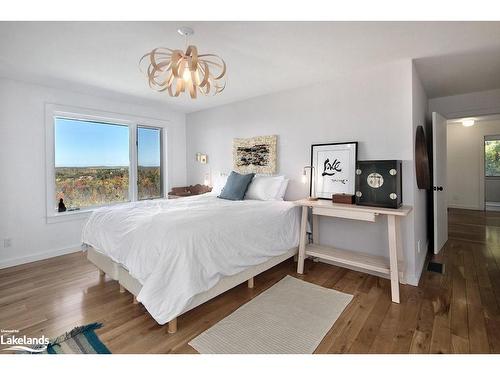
91, 144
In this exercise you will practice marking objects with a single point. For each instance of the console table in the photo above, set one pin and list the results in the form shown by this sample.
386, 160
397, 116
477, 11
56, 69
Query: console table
351, 258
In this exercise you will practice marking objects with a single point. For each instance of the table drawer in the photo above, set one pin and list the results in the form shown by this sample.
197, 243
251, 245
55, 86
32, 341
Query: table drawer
346, 214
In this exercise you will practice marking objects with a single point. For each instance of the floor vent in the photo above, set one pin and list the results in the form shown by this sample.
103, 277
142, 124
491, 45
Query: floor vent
435, 267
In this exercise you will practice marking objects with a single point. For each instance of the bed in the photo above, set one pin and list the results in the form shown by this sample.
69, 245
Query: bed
174, 255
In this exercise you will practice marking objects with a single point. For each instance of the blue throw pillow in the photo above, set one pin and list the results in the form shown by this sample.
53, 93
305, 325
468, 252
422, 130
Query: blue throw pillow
236, 186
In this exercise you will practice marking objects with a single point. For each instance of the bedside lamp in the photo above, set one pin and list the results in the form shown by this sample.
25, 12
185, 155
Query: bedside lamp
312, 197
206, 179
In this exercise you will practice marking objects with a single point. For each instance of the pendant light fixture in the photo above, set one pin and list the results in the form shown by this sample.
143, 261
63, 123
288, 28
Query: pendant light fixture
176, 72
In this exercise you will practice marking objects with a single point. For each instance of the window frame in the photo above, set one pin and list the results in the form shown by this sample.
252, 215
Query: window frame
162, 190
489, 138
53, 111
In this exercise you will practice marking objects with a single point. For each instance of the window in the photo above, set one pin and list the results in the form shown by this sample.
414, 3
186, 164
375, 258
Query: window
91, 163
149, 181
96, 159
492, 157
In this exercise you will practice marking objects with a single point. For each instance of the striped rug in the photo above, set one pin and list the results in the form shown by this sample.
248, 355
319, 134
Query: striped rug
80, 340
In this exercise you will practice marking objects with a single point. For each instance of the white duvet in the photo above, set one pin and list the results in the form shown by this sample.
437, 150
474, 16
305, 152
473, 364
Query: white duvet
179, 248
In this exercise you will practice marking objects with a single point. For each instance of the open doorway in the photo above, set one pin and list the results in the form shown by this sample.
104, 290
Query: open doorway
473, 163
492, 172
466, 175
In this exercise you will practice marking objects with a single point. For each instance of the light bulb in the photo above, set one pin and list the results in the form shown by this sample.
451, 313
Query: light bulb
468, 122
186, 75
304, 178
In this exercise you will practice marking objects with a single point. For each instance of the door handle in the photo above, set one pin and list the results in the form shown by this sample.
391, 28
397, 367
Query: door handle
438, 188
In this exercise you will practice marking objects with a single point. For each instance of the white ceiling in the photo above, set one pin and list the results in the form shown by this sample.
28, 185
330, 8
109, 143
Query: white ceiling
262, 57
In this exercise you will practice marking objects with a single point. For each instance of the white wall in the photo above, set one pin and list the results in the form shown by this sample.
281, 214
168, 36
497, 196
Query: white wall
373, 107
466, 163
419, 117
22, 166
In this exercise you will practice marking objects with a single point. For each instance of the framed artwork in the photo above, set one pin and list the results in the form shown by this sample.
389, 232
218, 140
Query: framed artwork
334, 169
255, 155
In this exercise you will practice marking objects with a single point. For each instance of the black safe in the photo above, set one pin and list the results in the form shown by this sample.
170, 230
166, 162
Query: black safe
379, 183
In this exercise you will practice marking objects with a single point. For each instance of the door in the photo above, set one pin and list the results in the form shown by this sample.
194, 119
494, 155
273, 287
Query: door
439, 147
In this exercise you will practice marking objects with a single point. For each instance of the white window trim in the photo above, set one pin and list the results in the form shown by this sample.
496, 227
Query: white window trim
56, 110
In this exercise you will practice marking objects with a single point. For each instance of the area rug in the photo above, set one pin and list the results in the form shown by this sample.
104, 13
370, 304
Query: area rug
291, 317
80, 340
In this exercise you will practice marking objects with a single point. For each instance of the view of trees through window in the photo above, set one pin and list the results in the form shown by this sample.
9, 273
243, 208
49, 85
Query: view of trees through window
492, 158
149, 162
92, 163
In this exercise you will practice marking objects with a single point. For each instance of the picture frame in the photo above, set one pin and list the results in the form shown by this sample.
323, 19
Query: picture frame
334, 169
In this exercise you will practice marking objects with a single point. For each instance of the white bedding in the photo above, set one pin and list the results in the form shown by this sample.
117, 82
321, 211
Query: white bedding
179, 248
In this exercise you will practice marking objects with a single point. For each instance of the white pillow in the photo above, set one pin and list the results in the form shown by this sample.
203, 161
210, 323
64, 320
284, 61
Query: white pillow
218, 185
265, 188
282, 192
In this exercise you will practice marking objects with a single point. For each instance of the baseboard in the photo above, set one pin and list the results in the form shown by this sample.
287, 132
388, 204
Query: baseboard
39, 256
496, 204
464, 207
492, 206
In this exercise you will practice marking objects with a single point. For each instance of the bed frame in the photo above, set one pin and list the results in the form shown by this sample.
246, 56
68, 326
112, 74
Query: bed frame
117, 272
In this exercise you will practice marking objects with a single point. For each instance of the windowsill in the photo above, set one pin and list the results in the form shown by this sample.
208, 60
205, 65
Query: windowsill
84, 213
59, 217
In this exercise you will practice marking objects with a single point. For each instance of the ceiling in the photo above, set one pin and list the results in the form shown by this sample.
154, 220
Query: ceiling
262, 57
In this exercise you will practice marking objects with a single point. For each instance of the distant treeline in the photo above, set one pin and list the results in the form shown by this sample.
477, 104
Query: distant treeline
82, 187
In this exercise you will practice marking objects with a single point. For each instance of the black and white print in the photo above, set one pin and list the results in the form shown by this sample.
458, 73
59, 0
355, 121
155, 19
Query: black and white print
334, 168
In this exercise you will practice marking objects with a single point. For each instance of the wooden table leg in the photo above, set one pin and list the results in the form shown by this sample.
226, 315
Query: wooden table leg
401, 257
315, 229
392, 227
302, 240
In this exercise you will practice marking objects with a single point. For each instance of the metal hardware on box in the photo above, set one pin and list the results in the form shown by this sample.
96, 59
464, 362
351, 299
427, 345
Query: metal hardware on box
438, 188
379, 183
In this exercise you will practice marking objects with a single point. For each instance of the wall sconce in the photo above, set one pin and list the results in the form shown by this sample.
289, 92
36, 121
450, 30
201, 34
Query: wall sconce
201, 158
312, 196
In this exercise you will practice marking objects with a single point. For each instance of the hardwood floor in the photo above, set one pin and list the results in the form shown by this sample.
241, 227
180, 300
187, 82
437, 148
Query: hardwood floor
457, 312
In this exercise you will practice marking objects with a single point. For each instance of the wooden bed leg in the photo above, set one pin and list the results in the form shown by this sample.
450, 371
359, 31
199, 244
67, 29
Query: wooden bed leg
135, 301
250, 283
172, 326
122, 289
102, 273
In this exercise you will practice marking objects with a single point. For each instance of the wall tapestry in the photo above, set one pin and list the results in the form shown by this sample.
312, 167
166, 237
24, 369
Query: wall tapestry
255, 155
334, 169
